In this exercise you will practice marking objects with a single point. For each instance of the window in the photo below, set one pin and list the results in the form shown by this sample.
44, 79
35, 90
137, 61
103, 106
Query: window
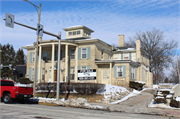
56, 57
72, 55
74, 33
78, 32
126, 56
7, 83
44, 56
119, 71
109, 56
105, 74
84, 53
70, 33
83, 67
33, 57
72, 72
33, 74
102, 52
132, 73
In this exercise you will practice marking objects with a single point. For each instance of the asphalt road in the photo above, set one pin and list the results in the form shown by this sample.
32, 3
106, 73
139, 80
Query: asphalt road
35, 111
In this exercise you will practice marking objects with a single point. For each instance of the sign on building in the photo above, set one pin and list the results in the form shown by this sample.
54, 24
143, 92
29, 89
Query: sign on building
87, 74
10, 20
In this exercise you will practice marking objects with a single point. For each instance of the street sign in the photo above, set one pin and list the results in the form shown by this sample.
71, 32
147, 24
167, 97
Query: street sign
39, 30
9, 20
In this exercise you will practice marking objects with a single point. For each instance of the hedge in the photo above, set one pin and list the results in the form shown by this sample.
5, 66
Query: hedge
136, 85
80, 88
25, 81
175, 103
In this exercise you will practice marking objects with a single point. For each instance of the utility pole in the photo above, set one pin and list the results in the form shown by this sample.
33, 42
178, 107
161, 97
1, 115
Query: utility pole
36, 47
58, 70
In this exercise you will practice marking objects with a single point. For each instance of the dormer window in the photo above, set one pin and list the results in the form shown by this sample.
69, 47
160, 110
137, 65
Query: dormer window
78, 32
70, 33
74, 33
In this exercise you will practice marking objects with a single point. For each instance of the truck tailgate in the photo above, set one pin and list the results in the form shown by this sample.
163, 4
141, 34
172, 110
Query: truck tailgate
25, 90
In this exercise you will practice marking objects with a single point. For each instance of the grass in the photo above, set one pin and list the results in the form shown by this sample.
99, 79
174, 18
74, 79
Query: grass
89, 98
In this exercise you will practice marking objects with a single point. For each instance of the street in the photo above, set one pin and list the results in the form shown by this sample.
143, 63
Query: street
31, 111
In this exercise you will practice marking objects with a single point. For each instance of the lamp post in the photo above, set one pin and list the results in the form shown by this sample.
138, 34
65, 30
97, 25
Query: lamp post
36, 46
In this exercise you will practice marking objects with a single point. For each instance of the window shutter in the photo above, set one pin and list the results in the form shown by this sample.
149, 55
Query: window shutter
30, 58
38, 57
30, 73
124, 71
135, 73
130, 72
79, 53
89, 53
130, 55
115, 72
79, 67
37, 74
88, 67
121, 56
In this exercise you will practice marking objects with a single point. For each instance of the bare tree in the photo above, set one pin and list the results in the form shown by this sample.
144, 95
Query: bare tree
158, 77
174, 76
154, 43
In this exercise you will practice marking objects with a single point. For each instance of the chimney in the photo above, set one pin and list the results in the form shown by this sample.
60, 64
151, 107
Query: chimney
138, 50
121, 40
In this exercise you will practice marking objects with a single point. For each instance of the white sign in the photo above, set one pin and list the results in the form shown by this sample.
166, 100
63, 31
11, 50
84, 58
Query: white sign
9, 20
87, 74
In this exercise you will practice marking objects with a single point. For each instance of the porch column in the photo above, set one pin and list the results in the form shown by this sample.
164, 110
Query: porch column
66, 62
52, 70
76, 65
39, 67
110, 73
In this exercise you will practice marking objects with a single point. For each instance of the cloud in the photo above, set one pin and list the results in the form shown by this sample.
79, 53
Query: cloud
108, 19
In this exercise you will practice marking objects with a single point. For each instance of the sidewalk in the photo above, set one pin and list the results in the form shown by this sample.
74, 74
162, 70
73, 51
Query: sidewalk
136, 104
139, 104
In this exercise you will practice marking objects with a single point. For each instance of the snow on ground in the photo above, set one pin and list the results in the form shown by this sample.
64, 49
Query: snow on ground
177, 98
140, 82
152, 104
23, 85
113, 90
134, 93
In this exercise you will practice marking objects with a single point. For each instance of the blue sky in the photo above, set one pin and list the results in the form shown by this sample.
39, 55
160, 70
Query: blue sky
107, 18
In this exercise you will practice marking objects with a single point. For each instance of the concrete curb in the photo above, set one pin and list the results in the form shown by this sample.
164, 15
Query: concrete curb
84, 105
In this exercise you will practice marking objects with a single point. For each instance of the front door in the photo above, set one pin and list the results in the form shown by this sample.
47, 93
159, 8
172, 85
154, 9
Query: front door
55, 75
105, 76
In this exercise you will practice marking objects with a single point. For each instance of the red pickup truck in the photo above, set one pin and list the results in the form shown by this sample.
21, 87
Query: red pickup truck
9, 91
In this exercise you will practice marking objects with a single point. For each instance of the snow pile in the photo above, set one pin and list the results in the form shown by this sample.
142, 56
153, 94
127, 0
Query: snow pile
77, 102
152, 104
134, 93
113, 93
23, 85
155, 86
140, 82
169, 96
177, 98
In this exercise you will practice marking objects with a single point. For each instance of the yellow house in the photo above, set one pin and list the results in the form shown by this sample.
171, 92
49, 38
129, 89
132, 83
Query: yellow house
89, 60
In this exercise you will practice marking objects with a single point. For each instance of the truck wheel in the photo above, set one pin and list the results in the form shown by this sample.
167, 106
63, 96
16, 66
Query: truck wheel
7, 98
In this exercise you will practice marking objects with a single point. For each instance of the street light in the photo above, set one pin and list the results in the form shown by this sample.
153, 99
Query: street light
36, 46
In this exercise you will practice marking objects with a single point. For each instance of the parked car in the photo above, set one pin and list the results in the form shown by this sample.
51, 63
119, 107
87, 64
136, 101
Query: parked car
9, 91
